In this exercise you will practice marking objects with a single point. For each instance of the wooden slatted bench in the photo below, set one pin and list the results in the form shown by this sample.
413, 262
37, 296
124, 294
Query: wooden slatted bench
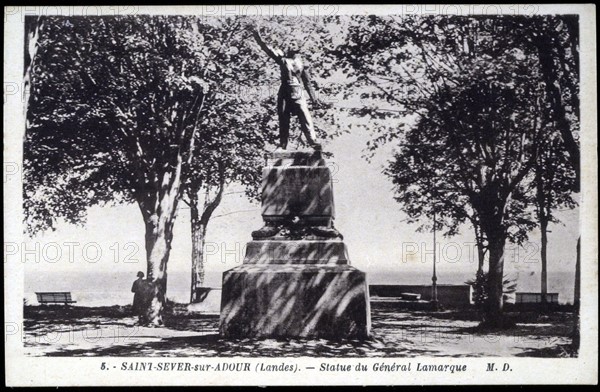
410, 296
55, 298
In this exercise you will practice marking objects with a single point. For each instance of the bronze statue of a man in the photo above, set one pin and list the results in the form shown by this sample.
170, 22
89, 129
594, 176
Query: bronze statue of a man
291, 97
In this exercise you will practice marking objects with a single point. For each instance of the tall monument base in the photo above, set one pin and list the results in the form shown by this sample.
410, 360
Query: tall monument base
311, 301
296, 280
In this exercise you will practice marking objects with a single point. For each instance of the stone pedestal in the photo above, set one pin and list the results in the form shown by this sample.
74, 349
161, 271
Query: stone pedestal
296, 279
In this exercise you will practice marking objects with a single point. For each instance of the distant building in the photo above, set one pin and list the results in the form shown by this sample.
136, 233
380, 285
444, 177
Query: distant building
534, 298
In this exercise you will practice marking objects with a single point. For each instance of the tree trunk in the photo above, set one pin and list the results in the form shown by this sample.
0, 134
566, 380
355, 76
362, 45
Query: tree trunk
493, 315
542, 203
159, 221
198, 237
199, 223
159, 234
576, 299
33, 28
481, 256
480, 249
543, 251
577, 291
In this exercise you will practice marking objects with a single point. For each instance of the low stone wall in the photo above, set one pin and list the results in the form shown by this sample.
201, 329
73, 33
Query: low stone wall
448, 295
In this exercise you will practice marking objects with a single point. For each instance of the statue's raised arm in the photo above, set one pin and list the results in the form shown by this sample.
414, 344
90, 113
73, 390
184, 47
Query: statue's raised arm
274, 53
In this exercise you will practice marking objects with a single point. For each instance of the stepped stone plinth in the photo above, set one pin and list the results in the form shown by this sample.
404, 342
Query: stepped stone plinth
296, 279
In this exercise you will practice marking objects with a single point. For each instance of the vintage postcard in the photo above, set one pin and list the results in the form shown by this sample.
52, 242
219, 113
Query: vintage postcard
300, 195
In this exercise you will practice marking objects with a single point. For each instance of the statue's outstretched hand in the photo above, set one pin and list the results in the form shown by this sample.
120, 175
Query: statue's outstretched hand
323, 105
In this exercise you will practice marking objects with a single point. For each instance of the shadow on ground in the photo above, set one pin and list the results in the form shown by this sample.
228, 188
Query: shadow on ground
112, 331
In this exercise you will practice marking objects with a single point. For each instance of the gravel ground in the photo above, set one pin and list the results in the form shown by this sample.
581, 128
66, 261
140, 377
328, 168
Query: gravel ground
112, 331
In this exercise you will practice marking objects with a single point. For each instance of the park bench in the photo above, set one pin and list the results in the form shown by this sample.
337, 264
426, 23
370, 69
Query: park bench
54, 298
410, 296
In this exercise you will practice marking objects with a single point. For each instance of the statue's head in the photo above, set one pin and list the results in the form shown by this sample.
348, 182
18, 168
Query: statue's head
140, 274
292, 50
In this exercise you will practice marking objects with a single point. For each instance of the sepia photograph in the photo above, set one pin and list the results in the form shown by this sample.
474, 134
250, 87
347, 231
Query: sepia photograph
316, 194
